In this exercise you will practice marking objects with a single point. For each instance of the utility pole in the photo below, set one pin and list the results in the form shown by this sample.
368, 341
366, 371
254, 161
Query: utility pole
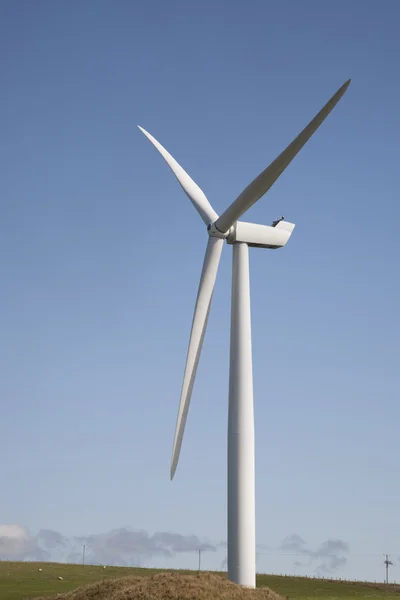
199, 551
387, 562
83, 554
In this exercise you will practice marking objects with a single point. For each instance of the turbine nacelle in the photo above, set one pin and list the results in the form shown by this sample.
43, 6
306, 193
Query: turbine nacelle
258, 236
261, 236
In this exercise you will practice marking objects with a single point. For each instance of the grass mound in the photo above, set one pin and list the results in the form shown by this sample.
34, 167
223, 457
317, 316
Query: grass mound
168, 586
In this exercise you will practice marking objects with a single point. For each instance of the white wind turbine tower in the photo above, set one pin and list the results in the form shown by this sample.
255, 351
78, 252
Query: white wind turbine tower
241, 479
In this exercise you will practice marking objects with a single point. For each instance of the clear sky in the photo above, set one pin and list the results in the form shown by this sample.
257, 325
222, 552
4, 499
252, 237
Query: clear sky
101, 254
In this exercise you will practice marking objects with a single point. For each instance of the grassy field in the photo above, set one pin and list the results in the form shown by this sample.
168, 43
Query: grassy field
22, 581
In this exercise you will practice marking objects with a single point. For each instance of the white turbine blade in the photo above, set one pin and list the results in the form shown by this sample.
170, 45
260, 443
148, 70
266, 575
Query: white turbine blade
259, 186
195, 194
199, 324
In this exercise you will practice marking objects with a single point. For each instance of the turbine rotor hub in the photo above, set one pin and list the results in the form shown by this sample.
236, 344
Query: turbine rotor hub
214, 232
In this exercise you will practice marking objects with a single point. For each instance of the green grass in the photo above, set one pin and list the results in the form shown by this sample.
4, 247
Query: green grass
301, 588
22, 581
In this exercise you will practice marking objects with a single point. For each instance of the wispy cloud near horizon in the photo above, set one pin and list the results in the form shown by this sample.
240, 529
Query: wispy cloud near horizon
331, 554
127, 546
123, 546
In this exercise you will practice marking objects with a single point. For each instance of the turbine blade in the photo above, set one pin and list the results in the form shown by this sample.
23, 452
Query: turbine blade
259, 186
199, 324
192, 190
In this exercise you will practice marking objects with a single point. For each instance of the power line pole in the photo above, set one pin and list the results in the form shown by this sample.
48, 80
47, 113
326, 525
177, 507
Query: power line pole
199, 551
387, 562
83, 554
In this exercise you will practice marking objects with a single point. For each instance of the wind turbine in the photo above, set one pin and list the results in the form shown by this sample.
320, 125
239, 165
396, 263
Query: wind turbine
241, 477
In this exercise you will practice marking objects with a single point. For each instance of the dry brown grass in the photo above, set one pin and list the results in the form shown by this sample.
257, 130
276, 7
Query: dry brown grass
168, 586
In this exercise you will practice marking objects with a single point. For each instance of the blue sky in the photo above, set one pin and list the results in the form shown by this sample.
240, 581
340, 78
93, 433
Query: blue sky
101, 253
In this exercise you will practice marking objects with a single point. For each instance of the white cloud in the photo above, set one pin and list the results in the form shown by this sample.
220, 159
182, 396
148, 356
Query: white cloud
122, 546
331, 552
51, 539
16, 543
125, 546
